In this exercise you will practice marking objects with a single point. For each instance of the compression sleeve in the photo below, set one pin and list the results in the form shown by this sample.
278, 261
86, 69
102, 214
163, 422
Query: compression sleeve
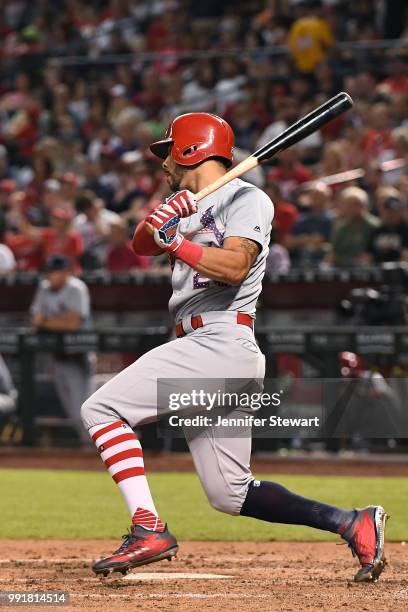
143, 242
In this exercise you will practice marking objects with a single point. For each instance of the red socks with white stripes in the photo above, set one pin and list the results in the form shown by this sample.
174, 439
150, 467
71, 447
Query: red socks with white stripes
122, 454
147, 519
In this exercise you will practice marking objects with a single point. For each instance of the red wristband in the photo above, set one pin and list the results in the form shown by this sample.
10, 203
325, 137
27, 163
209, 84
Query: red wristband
189, 252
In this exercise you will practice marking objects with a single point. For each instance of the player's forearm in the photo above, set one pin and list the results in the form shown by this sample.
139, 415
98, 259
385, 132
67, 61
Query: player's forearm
37, 320
66, 321
224, 265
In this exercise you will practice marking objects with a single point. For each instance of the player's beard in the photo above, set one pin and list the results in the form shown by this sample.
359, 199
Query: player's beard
175, 178
173, 183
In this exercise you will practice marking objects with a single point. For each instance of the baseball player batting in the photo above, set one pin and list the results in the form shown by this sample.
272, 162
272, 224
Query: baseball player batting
218, 247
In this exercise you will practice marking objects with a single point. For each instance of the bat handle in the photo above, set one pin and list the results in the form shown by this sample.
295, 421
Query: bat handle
248, 164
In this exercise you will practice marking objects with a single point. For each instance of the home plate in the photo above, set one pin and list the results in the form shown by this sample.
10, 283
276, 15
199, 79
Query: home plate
174, 576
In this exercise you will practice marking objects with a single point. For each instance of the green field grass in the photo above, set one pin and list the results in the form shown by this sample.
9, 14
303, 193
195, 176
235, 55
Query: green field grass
68, 504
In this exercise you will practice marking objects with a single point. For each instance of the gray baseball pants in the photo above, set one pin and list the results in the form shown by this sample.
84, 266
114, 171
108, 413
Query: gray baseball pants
218, 350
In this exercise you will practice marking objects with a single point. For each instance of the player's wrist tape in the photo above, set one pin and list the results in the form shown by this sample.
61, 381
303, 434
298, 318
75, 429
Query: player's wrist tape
189, 252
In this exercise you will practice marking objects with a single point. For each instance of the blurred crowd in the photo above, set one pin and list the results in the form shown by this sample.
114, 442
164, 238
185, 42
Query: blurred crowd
85, 86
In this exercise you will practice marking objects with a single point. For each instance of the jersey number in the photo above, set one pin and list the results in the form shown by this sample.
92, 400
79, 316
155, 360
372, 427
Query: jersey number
200, 282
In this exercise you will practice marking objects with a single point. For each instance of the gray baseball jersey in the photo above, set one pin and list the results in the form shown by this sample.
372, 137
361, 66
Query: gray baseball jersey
72, 373
237, 209
8, 394
216, 350
73, 296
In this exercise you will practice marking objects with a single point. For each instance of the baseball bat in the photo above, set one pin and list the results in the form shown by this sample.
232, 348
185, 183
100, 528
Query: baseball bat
293, 134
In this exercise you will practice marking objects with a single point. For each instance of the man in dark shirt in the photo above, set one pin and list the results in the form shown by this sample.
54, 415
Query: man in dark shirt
389, 242
308, 242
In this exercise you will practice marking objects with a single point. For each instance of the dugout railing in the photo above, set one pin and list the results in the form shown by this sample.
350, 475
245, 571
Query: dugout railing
143, 291
318, 346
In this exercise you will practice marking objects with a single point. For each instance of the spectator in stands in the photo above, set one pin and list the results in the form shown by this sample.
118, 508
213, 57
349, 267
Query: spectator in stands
24, 243
51, 198
70, 187
310, 36
308, 242
62, 304
142, 182
5, 172
285, 212
228, 89
278, 260
32, 244
378, 139
7, 259
150, 96
76, 126
333, 159
397, 81
381, 195
371, 182
198, 94
61, 239
290, 174
93, 222
327, 81
246, 124
351, 237
403, 186
7, 187
121, 257
128, 198
389, 241
398, 154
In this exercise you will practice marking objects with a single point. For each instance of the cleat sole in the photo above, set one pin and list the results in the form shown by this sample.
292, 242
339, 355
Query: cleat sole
124, 568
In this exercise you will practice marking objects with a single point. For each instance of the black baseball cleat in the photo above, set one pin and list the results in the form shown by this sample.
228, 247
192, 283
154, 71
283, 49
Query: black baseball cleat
140, 547
365, 537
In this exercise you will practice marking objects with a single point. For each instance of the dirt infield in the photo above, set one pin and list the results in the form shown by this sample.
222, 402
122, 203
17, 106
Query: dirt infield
328, 464
261, 576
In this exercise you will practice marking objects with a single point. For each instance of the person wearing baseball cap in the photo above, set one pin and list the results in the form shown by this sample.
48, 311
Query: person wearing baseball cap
389, 241
7, 259
62, 304
218, 245
57, 263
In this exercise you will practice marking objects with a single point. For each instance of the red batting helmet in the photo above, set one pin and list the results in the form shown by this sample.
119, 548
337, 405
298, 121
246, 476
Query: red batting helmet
196, 137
